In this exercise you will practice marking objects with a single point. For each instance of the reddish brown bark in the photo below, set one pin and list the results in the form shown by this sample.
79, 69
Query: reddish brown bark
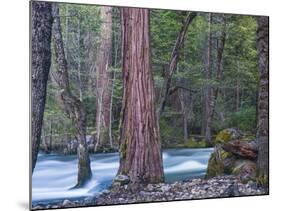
140, 151
103, 78
41, 14
241, 148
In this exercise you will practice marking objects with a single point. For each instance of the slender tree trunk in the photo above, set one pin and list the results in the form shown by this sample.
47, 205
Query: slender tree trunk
237, 95
66, 31
203, 113
173, 63
40, 67
51, 136
116, 40
44, 142
263, 98
72, 105
208, 90
104, 80
186, 110
213, 92
79, 59
140, 150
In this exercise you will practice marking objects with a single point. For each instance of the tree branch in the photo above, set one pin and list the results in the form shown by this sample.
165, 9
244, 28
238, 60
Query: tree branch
175, 88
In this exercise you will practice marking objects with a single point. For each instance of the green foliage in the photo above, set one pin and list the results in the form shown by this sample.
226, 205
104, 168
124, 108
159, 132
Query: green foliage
262, 180
169, 132
239, 67
192, 143
245, 119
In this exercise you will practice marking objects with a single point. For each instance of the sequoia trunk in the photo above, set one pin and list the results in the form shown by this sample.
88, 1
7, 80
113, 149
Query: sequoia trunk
103, 77
40, 67
140, 150
72, 105
263, 99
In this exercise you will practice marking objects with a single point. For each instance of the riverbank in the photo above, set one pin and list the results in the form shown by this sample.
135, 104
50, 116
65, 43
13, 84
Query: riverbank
217, 187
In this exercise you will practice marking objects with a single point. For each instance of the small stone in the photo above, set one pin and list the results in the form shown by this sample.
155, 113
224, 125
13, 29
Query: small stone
38, 207
150, 187
67, 203
122, 179
165, 188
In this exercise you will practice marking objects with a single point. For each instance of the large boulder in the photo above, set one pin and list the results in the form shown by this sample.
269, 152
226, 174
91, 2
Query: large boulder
233, 154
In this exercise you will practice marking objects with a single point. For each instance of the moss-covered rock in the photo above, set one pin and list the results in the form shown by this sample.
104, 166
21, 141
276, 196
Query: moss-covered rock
215, 167
220, 163
227, 135
246, 169
233, 154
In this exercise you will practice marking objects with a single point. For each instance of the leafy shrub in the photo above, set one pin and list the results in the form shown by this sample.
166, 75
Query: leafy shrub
245, 119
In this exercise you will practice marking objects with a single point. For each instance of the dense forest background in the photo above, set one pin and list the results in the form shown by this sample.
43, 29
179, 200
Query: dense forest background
137, 81
200, 70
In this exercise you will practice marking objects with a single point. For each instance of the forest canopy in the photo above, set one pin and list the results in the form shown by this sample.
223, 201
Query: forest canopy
237, 97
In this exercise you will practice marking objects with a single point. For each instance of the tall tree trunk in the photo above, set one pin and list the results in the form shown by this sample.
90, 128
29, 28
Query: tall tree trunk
72, 105
263, 98
213, 91
79, 58
50, 137
237, 95
111, 118
186, 99
173, 63
66, 31
104, 80
40, 67
140, 150
203, 112
208, 76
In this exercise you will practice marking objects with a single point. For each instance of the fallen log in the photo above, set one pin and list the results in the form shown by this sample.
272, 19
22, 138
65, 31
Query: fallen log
241, 149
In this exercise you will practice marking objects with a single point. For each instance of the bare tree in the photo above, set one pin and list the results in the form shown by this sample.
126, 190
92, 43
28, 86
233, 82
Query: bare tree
72, 105
173, 62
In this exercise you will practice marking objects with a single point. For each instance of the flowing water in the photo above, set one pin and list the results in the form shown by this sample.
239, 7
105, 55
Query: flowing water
55, 175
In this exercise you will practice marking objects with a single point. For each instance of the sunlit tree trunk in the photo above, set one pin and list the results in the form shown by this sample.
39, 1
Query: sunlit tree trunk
103, 77
72, 105
40, 66
140, 150
263, 98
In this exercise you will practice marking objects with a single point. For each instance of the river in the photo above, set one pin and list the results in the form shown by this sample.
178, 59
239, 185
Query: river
55, 175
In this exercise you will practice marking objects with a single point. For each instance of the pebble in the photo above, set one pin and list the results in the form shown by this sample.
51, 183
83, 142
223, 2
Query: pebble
189, 189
